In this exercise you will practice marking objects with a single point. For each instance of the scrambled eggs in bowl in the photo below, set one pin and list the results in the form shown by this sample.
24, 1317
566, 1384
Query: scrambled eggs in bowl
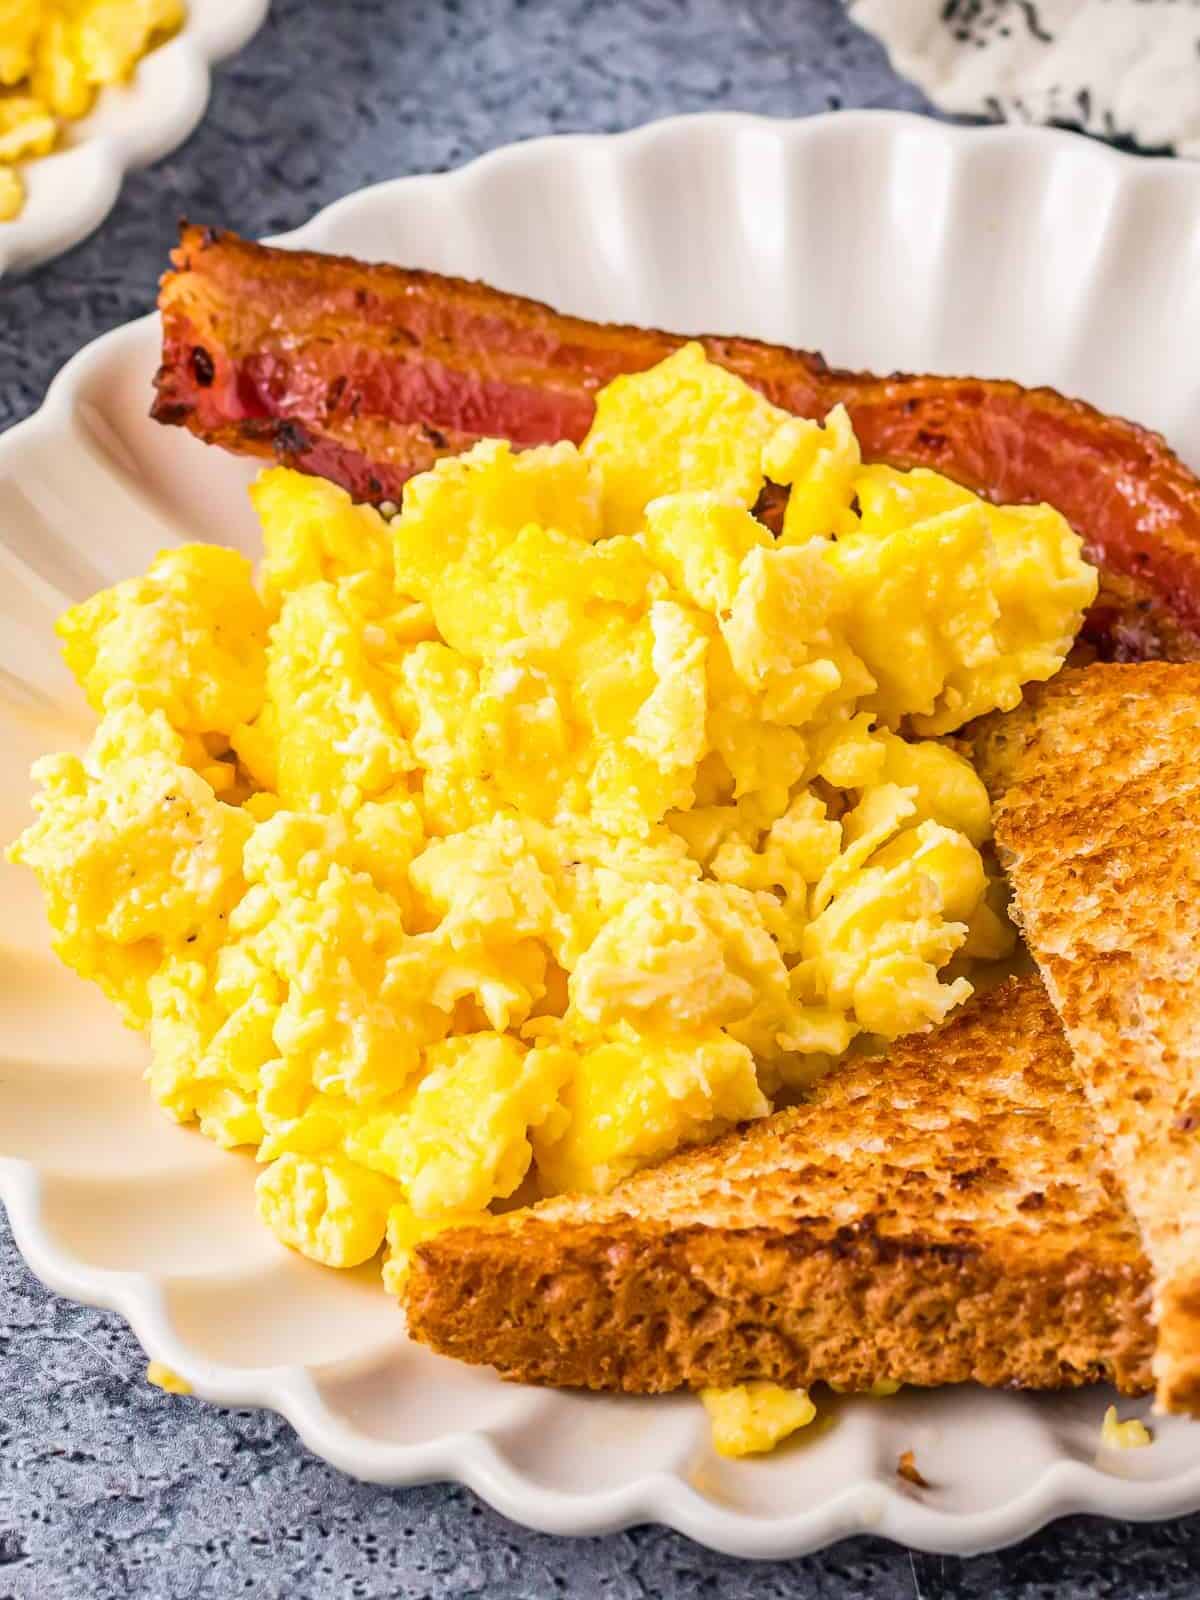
564, 819
54, 56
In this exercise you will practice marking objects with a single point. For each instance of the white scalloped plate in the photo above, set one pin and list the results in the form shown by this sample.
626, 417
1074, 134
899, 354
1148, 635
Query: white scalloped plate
883, 240
69, 193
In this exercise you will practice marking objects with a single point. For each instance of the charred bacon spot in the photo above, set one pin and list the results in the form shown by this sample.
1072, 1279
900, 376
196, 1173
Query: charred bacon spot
209, 236
435, 436
202, 367
770, 507
173, 412
930, 439
1134, 639
334, 393
291, 439
374, 485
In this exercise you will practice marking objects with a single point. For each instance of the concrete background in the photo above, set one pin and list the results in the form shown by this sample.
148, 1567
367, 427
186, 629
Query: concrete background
109, 1488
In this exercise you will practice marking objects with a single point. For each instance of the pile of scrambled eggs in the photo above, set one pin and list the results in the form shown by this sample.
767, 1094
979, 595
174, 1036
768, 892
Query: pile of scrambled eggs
54, 55
567, 818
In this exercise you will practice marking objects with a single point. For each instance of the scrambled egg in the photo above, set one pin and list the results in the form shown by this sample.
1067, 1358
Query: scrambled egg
1131, 1434
753, 1418
564, 819
54, 55
12, 194
166, 1379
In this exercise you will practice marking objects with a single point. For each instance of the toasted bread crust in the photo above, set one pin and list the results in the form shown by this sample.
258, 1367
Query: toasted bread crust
636, 1307
938, 1216
1097, 781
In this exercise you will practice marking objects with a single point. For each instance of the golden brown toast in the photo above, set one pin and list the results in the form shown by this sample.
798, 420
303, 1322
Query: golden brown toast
938, 1215
1097, 783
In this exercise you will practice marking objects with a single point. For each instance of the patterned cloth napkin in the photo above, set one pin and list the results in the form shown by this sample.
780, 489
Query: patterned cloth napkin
1118, 68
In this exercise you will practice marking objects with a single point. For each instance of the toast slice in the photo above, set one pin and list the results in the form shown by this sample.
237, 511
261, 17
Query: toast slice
938, 1215
1097, 784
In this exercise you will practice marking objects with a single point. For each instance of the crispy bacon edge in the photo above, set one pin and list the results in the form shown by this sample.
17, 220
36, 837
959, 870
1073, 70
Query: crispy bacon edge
365, 374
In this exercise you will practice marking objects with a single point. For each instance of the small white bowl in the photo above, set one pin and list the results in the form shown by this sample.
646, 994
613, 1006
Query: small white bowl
69, 193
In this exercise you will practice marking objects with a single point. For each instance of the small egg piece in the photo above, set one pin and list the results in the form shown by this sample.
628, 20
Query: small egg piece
134, 852
12, 194
188, 639
955, 603
475, 504
685, 424
57, 78
331, 1210
631, 1097
166, 1379
19, 24
700, 541
785, 638
26, 128
208, 1049
1132, 1434
334, 740
111, 36
752, 1418
406, 1230
876, 949
463, 1140
314, 533
820, 464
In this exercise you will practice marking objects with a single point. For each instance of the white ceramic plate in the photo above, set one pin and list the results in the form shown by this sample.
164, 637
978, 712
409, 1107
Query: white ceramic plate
71, 192
883, 240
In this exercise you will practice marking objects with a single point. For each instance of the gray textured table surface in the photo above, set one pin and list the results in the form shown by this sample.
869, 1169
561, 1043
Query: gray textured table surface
107, 1487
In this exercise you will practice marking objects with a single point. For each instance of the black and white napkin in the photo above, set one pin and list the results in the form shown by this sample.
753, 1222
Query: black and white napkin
1126, 69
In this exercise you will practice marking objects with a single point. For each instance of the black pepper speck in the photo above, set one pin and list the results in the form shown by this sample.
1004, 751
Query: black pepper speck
202, 367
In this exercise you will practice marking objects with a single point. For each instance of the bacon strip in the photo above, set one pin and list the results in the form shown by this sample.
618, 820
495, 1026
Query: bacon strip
366, 374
